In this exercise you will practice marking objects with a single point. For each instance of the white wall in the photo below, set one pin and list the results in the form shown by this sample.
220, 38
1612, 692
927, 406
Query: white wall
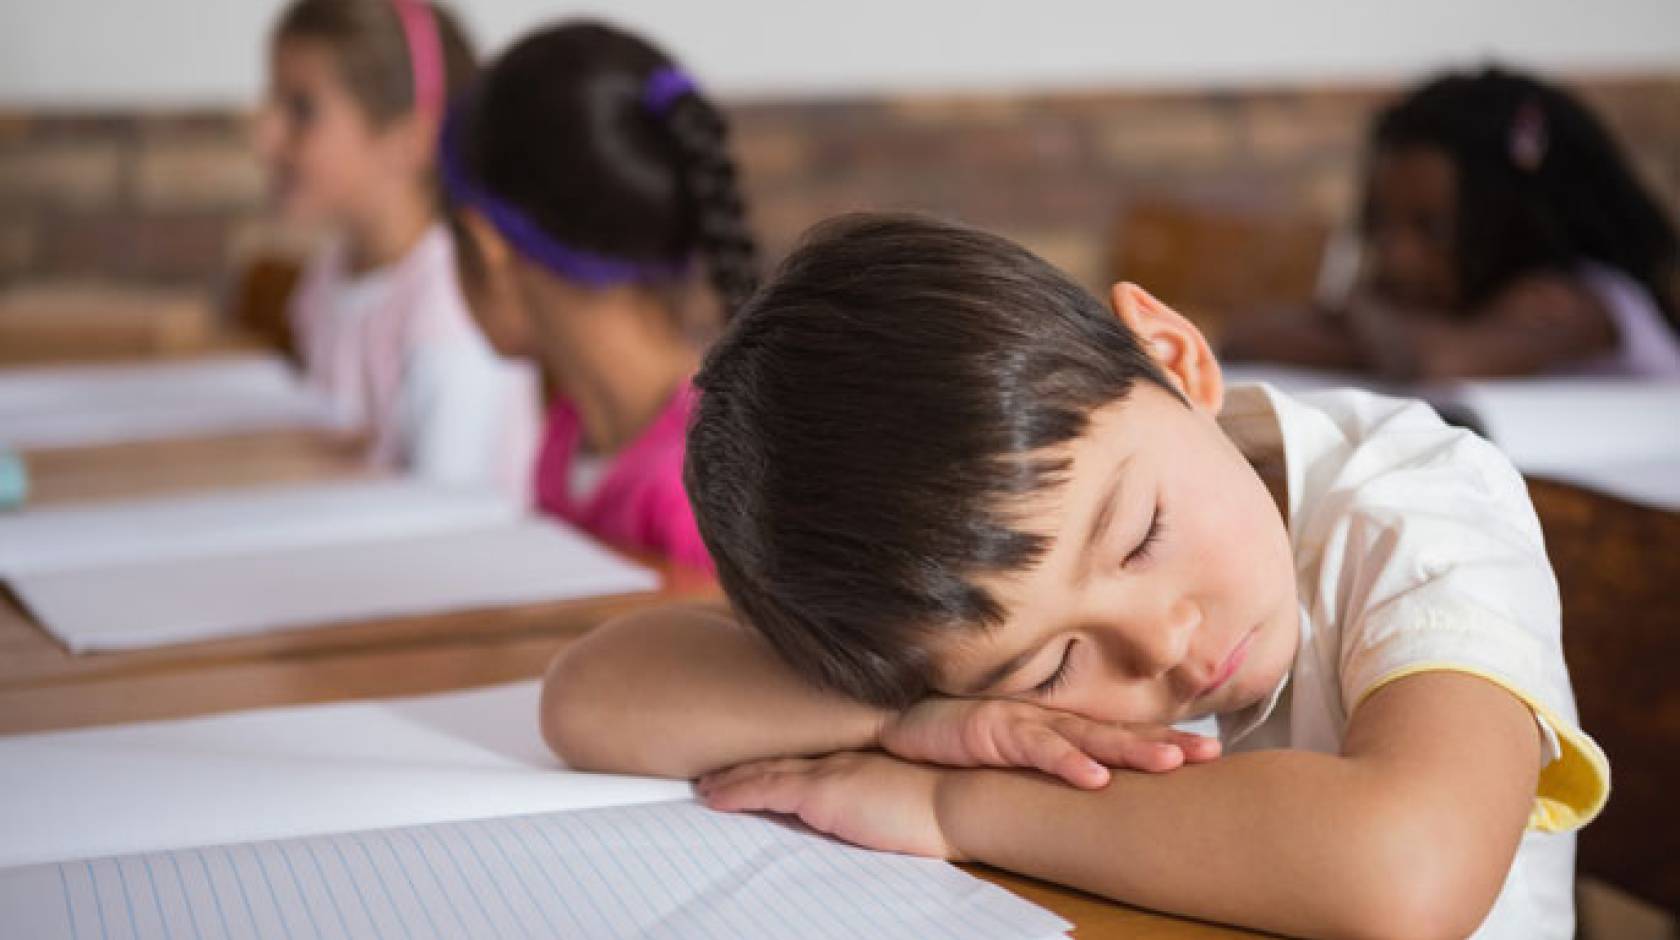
101, 53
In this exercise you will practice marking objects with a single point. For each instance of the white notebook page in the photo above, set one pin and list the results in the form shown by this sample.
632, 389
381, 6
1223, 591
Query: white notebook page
655, 870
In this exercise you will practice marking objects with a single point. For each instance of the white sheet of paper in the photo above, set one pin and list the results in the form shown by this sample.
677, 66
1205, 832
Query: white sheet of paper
285, 772
64, 406
246, 520
671, 869
1569, 424
499, 854
134, 605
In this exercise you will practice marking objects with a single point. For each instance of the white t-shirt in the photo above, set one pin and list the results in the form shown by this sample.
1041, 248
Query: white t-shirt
396, 352
1417, 549
1646, 346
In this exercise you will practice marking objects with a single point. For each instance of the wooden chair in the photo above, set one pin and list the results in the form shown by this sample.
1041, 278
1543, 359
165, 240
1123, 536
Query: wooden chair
1214, 262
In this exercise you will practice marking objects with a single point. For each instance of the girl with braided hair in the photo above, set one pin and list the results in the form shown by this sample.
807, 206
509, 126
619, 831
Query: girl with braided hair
601, 229
1504, 233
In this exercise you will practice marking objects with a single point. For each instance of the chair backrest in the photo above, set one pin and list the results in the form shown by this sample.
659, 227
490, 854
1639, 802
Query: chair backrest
1618, 568
1214, 262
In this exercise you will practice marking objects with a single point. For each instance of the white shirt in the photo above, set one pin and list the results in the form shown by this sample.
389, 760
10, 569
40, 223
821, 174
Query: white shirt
1417, 549
396, 351
1646, 346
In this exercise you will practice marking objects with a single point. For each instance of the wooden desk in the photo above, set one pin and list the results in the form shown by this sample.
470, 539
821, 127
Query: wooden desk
163, 467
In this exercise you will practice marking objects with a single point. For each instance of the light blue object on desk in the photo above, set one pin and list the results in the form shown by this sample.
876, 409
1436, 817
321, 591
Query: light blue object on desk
14, 480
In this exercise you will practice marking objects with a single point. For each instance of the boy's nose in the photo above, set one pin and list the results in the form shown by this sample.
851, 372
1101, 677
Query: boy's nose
1162, 646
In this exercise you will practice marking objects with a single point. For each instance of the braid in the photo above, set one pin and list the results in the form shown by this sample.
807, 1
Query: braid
708, 176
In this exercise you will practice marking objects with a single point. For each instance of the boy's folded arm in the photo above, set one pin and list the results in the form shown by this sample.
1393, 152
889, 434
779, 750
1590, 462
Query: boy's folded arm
1411, 831
683, 690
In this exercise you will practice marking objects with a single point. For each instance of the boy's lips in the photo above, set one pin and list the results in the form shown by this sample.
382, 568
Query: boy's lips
1229, 666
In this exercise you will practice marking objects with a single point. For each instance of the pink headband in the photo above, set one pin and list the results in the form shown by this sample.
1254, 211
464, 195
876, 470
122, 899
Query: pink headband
425, 54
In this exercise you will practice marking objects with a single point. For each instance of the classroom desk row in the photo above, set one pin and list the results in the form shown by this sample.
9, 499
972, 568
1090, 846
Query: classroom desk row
44, 687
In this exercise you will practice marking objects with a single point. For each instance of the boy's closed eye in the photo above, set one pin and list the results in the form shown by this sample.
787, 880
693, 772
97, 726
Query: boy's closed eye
1140, 554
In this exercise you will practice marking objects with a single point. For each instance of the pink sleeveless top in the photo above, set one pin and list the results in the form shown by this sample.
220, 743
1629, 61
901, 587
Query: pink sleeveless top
640, 502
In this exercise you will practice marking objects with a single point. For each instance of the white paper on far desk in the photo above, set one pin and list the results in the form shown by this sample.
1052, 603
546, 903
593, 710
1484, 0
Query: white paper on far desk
88, 535
65, 406
134, 574
137, 605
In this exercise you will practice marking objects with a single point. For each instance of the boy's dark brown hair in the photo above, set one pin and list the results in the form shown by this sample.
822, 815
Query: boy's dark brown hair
868, 427
371, 48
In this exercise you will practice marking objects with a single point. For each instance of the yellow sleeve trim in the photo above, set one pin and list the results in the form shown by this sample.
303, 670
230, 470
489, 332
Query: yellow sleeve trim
1574, 788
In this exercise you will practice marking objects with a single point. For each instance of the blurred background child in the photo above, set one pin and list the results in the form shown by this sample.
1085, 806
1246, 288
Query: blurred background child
1503, 233
591, 183
357, 93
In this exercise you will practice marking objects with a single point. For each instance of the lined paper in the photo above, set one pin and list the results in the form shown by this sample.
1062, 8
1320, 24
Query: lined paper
670, 869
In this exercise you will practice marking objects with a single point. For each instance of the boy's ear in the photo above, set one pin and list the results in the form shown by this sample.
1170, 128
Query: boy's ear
1174, 343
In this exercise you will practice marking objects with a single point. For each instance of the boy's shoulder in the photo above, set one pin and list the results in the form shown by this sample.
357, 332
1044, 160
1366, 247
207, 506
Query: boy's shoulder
1389, 459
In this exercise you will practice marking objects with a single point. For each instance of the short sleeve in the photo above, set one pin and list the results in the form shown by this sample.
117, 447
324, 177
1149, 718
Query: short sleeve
1443, 568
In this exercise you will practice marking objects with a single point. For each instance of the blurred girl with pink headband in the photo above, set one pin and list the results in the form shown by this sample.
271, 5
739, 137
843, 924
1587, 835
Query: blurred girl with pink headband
358, 90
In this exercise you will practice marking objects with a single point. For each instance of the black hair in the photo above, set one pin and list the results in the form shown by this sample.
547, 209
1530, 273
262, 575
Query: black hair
559, 127
1541, 183
869, 426
370, 47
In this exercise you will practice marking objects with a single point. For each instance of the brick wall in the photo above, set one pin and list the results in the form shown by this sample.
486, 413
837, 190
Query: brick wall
176, 197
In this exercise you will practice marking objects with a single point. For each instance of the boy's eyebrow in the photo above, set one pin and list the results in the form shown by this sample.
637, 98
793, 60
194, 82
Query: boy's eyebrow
1098, 528
1103, 518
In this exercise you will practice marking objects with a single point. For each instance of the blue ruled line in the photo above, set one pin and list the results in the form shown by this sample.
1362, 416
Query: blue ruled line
384, 888
326, 883
273, 896
239, 882
356, 883
69, 908
466, 884
432, 870
98, 904
494, 882
156, 901
297, 885
210, 884
186, 900
403, 867
548, 876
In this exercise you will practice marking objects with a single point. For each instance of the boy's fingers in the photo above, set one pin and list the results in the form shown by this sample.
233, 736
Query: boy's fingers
1057, 756
1197, 748
1124, 747
777, 791
733, 776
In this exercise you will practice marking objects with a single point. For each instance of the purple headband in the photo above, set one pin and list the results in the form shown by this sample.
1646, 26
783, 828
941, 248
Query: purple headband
664, 87
529, 238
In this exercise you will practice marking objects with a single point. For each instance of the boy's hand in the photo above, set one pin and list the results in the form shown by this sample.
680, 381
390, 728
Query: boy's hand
961, 732
864, 797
